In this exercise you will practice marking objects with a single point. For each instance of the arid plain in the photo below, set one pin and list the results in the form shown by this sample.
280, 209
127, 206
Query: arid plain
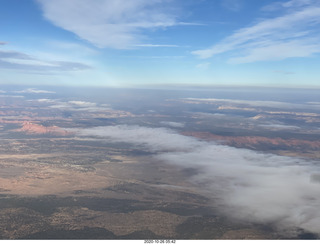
83, 169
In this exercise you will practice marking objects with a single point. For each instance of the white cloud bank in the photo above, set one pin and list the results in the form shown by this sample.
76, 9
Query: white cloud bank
109, 23
293, 34
251, 186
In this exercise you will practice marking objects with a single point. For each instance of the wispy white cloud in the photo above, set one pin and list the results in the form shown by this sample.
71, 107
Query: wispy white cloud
71, 48
34, 90
284, 72
83, 103
156, 140
288, 5
155, 45
279, 50
232, 5
17, 60
45, 100
11, 96
77, 106
203, 66
110, 23
291, 35
172, 124
280, 127
257, 103
263, 188
157, 57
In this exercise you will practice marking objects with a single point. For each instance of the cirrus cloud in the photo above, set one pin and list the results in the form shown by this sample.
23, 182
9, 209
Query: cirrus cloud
110, 23
289, 35
16, 60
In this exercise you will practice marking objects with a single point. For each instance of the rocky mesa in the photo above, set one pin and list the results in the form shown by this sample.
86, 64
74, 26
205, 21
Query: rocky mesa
32, 128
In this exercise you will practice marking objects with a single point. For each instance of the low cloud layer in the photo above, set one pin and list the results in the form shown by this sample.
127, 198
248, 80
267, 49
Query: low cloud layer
76, 105
256, 103
280, 126
156, 140
34, 91
246, 185
172, 124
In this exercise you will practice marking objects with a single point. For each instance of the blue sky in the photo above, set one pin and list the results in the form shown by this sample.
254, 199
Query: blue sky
160, 42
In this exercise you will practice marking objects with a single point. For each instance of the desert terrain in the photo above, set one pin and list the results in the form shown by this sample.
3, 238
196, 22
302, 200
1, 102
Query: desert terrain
61, 180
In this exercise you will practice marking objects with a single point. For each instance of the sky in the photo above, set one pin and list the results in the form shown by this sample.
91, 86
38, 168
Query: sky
128, 43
